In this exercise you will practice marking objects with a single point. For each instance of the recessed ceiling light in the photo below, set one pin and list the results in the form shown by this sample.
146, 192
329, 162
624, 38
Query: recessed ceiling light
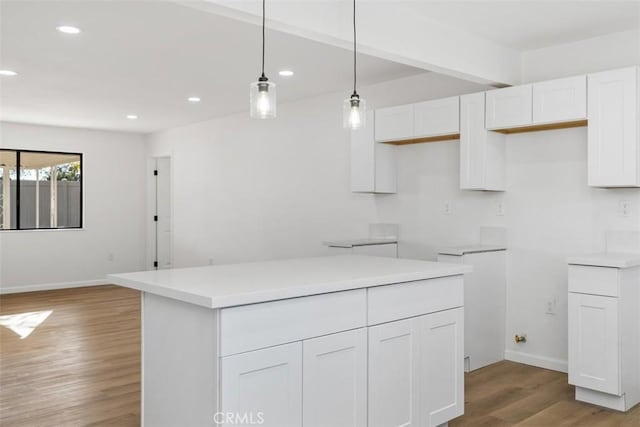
8, 73
68, 29
193, 99
132, 116
286, 73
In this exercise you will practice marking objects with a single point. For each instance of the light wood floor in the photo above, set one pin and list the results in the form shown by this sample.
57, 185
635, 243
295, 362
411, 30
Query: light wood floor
511, 394
80, 367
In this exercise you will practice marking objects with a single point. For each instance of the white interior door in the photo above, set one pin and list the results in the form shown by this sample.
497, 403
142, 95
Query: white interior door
163, 213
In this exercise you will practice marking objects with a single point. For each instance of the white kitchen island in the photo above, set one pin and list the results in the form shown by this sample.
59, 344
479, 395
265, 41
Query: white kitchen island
323, 342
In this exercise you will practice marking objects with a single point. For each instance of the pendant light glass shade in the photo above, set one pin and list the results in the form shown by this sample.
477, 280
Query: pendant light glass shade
354, 112
263, 99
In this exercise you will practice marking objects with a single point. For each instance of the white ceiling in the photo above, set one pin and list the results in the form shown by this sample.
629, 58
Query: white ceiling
526, 25
147, 57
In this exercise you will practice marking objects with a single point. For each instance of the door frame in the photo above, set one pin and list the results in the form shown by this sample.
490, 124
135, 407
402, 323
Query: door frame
151, 209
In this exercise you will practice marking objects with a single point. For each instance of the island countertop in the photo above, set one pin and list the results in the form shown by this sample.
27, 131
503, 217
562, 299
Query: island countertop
230, 285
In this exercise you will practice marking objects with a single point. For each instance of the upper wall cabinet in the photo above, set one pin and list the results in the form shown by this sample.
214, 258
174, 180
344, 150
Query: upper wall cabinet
428, 121
613, 132
482, 152
439, 117
561, 100
510, 107
373, 164
394, 123
546, 105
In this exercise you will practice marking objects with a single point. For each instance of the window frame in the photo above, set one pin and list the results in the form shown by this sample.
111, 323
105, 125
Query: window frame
18, 169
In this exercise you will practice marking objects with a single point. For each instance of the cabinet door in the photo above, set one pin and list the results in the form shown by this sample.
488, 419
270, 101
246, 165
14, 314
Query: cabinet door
594, 343
613, 128
363, 158
394, 123
560, 100
335, 380
387, 250
438, 117
393, 374
509, 107
441, 369
482, 152
265, 384
373, 164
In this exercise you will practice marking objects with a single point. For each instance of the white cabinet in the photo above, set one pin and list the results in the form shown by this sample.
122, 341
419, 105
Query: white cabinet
441, 370
265, 384
429, 119
437, 117
393, 374
373, 164
593, 342
394, 123
485, 294
416, 370
335, 380
403, 366
604, 335
561, 100
482, 152
510, 107
613, 132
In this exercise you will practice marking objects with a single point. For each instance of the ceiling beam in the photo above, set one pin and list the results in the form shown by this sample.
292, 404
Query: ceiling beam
386, 29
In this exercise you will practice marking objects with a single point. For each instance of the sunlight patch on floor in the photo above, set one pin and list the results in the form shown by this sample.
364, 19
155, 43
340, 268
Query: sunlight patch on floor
23, 324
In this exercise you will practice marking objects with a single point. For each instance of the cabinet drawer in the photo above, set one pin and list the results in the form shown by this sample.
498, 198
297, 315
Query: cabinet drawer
399, 301
250, 327
594, 280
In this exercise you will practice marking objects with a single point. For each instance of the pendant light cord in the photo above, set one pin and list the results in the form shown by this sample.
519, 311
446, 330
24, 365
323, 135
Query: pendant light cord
354, 48
263, 25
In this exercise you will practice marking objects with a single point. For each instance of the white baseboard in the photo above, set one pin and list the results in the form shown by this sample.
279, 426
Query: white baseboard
51, 286
539, 361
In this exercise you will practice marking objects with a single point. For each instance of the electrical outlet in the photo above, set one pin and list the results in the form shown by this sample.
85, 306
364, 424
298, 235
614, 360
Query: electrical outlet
210, 261
447, 209
552, 304
110, 257
624, 208
500, 208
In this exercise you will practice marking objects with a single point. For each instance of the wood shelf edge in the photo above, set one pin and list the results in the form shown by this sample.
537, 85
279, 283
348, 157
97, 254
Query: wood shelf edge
448, 137
547, 126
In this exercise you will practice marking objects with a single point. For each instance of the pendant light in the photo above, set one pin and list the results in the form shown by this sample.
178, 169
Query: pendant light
262, 94
354, 107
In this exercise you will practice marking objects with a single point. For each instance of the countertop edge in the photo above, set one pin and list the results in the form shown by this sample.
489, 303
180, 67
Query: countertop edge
281, 294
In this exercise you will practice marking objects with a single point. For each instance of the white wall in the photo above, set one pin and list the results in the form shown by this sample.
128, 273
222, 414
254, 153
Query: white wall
113, 173
250, 189
615, 50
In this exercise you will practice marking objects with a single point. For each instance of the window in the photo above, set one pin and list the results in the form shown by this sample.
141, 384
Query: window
40, 190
